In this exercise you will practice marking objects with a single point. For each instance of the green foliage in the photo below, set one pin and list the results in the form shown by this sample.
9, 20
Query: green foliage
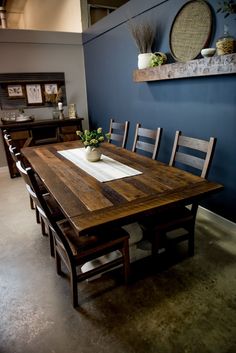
156, 60
227, 7
93, 138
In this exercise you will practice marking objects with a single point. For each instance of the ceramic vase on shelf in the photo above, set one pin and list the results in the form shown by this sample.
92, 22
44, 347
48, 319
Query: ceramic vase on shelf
144, 60
60, 108
226, 43
55, 114
92, 154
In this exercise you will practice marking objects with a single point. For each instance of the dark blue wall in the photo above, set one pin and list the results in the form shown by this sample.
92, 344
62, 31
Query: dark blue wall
200, 107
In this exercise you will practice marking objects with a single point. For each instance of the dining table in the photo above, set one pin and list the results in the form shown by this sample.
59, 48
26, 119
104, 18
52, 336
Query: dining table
123, 187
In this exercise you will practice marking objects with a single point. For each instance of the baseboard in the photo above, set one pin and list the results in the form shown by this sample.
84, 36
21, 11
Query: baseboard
3, 169
219, 220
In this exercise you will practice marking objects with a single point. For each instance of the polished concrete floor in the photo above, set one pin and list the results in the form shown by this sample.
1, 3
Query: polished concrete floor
182, 305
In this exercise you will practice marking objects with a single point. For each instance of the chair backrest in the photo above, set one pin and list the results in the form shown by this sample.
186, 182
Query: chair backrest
119, 132
7, 139
36, 202
184, 152
16, 156
48, 214
147, 140
24, 173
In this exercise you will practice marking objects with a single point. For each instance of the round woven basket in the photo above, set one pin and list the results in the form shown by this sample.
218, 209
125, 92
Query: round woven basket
190, 30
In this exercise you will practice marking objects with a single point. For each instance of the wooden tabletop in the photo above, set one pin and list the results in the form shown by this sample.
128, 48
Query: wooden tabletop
88, 203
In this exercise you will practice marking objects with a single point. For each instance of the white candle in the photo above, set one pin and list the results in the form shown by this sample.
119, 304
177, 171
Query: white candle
60, 106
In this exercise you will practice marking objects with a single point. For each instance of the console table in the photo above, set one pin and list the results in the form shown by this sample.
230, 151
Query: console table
38, 132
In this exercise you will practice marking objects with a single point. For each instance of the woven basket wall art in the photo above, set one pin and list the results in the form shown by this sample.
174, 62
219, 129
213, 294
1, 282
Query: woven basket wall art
190, 30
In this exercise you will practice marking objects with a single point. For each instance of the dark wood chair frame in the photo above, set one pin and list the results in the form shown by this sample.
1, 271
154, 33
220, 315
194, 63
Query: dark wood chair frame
7, 138
75, 251
181, 217
16, 156
152, 143
119, 132
40, 215
23, 172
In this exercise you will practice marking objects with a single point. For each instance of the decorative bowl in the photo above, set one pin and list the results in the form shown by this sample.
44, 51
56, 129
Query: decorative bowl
208, 52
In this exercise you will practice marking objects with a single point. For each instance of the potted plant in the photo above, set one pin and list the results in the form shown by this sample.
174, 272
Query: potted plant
157, 59
144, 35
52, 99
92, 140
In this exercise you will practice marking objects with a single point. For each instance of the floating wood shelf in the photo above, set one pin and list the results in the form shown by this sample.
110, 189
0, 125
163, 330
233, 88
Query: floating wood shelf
216, 65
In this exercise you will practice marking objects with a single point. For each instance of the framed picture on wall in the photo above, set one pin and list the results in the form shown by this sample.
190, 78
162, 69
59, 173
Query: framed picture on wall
34, 94
51, 88
15, 91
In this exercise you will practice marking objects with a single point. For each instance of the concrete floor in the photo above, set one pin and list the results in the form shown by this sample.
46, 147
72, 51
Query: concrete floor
185, 307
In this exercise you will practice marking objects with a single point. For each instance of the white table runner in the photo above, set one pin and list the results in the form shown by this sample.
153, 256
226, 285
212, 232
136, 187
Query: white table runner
106, 169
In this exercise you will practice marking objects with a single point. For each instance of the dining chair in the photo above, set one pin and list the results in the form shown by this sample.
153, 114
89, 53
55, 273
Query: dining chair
118, 132
17, 156
187, 152
147, 140
40, 215
75, 251
7, 138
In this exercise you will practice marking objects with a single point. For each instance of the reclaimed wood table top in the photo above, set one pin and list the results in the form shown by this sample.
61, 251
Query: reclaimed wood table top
88, 203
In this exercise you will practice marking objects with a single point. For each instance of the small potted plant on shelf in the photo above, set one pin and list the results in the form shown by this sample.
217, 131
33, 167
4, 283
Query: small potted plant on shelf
52, 99
144, 35
92, 140
157, 59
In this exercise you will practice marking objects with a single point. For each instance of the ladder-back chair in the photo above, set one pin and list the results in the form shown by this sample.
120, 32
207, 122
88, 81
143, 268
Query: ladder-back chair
147, 140
118, 132
187, 152
40, 215
74, 250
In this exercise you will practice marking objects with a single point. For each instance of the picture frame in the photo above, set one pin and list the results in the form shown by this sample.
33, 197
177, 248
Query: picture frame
72, 111
51, 88
34, 94
15, 91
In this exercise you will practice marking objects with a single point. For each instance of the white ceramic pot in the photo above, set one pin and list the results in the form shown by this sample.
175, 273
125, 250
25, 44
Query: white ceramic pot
92, 154
144, 60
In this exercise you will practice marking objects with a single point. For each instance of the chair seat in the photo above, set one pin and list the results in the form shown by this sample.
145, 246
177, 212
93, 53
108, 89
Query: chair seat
168, 220
57, 214
86, 245
42, 188
73, 250
190, 154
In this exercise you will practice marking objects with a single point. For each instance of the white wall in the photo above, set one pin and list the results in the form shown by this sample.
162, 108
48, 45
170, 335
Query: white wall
36, 51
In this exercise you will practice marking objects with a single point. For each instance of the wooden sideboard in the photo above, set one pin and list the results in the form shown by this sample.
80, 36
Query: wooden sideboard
38, 132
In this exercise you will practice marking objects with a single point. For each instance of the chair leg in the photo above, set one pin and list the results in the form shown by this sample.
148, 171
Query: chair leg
58, 263
51, 240
156, 241
37, 215
74, 287
126, 260
191, 241
32, 203
43, 228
